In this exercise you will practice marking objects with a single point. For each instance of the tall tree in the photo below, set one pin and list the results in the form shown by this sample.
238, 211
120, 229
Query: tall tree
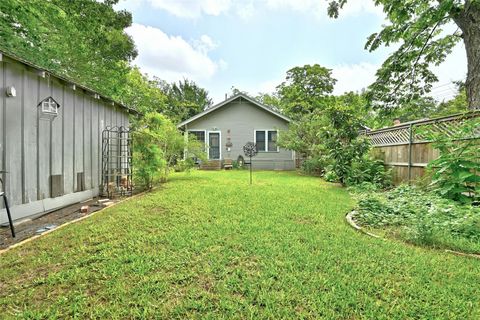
305, 89
82, 39
142, 94
185, 99
419, 27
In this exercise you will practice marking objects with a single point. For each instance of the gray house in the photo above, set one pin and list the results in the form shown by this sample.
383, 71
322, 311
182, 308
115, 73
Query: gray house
228, 126
51, 138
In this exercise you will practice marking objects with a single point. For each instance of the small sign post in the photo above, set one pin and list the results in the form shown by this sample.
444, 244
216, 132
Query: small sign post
250, 150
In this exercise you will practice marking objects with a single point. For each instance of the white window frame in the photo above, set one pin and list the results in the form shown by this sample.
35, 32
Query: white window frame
219, 143
49, 106
266, 139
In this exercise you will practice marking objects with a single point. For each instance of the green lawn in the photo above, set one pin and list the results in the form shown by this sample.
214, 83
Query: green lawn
208, 245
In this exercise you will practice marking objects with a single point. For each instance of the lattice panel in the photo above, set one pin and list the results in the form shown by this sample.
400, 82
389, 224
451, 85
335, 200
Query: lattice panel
450, 127
393, 136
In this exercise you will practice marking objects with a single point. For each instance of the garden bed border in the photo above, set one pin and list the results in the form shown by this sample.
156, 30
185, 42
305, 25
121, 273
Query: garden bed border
349, 218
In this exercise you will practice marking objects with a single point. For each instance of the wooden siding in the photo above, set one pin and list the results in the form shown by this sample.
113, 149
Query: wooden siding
33, 149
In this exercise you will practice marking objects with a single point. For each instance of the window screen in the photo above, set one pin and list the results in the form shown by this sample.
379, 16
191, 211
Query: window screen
200, 135
272, 141
260, 140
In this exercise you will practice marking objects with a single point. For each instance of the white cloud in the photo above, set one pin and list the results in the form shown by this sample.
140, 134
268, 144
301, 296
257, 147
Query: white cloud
245, 9
192, 8
453, 69
356, 77
353, 77
171, 57
319, 8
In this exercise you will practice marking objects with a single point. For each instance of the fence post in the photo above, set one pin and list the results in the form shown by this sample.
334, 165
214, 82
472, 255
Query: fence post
410, 147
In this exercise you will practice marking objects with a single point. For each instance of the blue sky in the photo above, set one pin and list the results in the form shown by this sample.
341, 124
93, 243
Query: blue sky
250, 44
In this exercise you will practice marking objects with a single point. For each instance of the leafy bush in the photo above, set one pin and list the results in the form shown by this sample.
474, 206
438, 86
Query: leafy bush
422, 217
158, 146
184, 165
330, 175
329, 137
369, 170
456, 172
314, 166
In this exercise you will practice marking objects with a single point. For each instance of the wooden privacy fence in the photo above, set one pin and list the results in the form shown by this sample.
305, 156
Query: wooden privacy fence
406, 151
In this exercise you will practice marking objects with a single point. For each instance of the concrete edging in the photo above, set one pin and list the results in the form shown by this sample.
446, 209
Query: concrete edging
18, 244
354, 225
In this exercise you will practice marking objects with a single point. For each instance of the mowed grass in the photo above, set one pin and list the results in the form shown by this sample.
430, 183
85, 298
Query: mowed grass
208, 245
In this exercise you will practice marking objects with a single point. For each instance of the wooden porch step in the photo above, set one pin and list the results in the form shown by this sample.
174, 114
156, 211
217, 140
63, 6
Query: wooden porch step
211, 165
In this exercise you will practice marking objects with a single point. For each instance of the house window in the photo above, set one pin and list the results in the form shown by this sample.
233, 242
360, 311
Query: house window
200, 135
260, 140
272, 141
266, 140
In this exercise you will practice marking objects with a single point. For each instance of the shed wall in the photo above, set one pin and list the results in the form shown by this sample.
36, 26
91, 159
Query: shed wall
33, 149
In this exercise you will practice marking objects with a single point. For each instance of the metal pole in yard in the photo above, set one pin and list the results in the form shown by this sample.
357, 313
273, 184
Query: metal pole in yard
250, 169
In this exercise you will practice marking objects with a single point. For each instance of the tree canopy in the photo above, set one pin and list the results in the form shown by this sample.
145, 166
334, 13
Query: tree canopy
305, 89
421, 29
83, 40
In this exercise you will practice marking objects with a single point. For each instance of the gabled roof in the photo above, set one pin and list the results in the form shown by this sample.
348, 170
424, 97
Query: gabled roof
233, 98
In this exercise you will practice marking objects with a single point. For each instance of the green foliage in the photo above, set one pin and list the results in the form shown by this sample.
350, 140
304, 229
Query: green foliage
271, 100
184, 165
157, 147
314, 166
368, 170
83, 40
456, 105
329, 140
421, 217
456, 172
419, 28
340, 139
142, 94
305, 90
185, 99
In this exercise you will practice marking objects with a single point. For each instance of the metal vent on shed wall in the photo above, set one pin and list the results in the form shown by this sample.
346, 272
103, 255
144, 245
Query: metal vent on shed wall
80, 181
56, 185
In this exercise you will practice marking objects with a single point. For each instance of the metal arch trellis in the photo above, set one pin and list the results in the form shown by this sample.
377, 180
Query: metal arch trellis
116, 162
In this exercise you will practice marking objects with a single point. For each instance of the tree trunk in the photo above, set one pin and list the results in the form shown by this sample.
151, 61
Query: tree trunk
468, 20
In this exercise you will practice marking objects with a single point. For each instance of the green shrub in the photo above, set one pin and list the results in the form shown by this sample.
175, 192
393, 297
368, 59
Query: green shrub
456, 172
369, 170
423, 218
314, 166
184, 165
158, 145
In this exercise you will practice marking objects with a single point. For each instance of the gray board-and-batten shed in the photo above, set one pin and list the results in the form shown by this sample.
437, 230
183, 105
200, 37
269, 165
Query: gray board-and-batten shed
228, 126
50, 138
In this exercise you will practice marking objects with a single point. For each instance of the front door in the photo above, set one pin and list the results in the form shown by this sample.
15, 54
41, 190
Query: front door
214, 145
